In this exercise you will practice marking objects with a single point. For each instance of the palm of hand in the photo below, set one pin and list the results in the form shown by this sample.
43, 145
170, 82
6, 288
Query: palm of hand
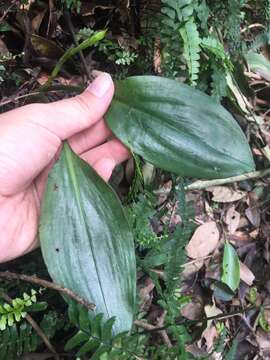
31, 137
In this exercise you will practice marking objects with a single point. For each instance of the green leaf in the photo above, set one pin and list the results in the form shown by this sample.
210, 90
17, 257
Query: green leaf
178, 128
3, 322
222, 291
10, 319
230, 267
76, 340
40, 306
191, 38
86, 241
259, 64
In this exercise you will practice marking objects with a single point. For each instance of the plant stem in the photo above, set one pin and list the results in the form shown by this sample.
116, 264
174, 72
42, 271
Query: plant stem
73, 51
47, 284
71, 29
200, 184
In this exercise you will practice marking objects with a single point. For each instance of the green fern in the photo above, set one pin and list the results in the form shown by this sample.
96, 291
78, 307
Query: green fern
191, 39
234, 20
215, 47
178, 19
18, 340
219, 87
182, 234
10, 313
140, 213
202, 13
260, 40
95, 339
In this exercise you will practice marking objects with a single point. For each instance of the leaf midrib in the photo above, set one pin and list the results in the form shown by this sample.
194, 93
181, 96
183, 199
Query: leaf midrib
74, 181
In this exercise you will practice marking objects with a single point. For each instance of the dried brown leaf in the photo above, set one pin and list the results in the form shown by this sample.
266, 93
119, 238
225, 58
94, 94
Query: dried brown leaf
232, 219
204, 240
253, 215
193, 310
246, 274
191, 268
210, 334
263, 340
225, 194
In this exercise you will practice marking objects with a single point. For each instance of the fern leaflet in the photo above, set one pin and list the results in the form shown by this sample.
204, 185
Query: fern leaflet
191, 39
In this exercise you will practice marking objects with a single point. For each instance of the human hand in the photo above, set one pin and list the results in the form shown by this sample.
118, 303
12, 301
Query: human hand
30, 138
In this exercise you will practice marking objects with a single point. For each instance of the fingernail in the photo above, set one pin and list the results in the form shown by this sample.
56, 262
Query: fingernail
100, 85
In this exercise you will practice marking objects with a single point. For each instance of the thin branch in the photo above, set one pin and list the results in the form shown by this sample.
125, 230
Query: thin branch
151, 328
71, 29
163, 333
47, 284
49, 89
6, 12
144, 325
200, 184
95, 38
36, 327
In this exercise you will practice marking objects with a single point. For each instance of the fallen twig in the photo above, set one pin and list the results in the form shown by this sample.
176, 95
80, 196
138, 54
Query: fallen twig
201, 184
47, 284
163, 333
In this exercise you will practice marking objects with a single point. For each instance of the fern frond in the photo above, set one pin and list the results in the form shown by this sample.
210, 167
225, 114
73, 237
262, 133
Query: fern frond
95, 338
10, 313
139, 214
202, 12
182, 234
214, 47
191, 39
234, 19
260, 40
15, 341
219, 83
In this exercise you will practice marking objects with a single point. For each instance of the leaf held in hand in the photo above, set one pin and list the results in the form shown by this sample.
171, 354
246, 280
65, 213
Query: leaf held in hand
230, 267
86, 241
178, 128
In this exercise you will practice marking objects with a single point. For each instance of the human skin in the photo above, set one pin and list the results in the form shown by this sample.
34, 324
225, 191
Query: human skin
30, 141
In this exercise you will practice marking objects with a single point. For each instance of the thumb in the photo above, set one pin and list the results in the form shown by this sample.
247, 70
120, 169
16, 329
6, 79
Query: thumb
67, 117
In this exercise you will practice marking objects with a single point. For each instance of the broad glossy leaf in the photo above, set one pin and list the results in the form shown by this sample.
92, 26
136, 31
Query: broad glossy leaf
230, 267
86, 241
178, 128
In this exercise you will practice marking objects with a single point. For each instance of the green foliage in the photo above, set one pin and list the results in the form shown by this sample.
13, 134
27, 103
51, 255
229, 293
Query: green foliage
231, 354
230, 267
176, 132
21, 338
191, 39
260, 40
73, 4
10, 313
95, 337
180, 38
182, 234
140, 213
234, 19
116, 53
17, 340
101, 250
